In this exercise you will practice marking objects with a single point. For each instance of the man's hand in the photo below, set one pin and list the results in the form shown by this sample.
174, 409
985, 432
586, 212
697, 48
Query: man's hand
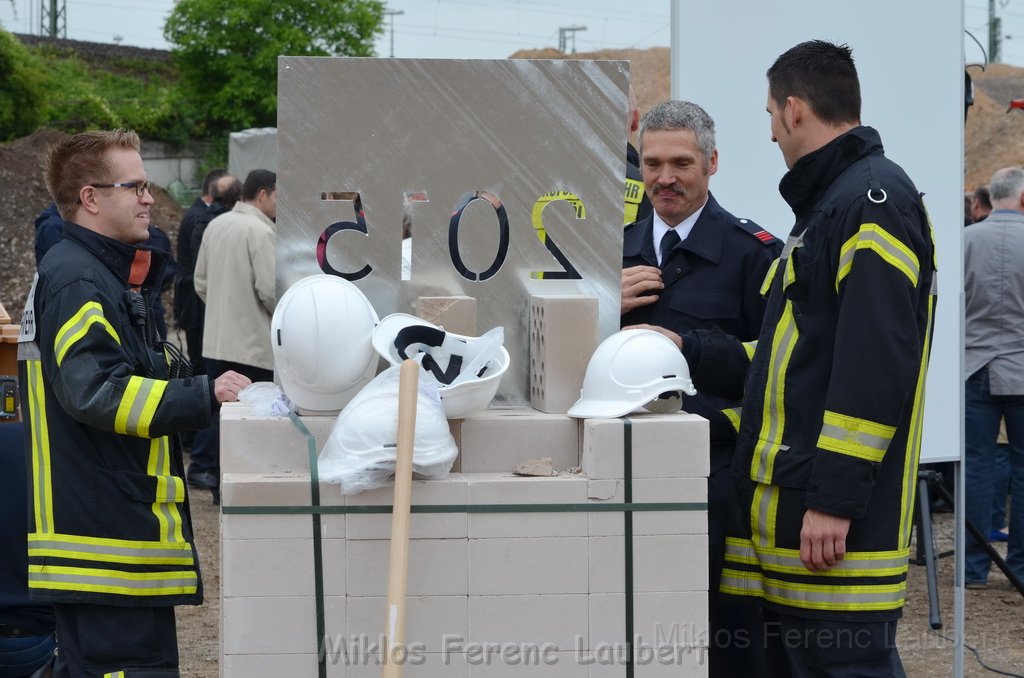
636, 280
676, 339
822, 540
227, 386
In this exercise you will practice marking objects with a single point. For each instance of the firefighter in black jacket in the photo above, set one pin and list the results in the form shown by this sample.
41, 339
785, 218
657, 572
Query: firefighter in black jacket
830, 432
710, 277
110, 540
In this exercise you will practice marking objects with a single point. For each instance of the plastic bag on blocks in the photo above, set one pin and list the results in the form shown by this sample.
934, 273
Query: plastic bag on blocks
360, 452
265, 399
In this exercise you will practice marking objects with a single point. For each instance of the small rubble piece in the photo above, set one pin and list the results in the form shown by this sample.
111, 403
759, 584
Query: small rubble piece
536, 467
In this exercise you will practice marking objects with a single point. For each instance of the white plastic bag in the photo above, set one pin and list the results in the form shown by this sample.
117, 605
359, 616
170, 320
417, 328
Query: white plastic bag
360, 452
265, 399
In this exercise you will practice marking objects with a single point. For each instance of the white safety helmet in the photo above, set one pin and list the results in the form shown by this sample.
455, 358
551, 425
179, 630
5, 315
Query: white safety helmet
631, 369
320, 334
468, 369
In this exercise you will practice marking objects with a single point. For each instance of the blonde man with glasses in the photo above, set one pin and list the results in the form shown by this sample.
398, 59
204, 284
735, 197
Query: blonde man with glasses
110, 541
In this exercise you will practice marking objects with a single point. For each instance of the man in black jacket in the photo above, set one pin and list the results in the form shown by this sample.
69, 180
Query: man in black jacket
692, 265
110, 539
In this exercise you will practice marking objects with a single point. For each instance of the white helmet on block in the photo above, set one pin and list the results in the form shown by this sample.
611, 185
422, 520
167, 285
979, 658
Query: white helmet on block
320, 334
631, 369
467, 369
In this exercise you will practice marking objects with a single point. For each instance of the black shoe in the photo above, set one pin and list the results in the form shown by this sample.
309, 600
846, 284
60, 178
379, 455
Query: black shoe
205, 480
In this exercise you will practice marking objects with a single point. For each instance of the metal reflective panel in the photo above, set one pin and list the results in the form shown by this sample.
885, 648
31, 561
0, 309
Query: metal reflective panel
494, 179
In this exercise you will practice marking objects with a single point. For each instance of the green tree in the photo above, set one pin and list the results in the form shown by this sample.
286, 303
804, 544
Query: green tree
21, 89
226, 50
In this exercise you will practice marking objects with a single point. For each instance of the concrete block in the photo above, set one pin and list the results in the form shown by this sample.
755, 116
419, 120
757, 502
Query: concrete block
437, 567
504, 488
335, 566
419, 665
456, 313
251, 444
519, 661
563, 336
607, 566
248, 665
557, 621
664, 446
528, 566
670, 563
275, 489
446, 491
253, 625
261, 567
428, 619
672, 619
607, 620
264, 526
670, 490
496, 441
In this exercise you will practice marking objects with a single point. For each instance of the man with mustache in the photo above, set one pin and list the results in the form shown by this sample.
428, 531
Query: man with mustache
692, 265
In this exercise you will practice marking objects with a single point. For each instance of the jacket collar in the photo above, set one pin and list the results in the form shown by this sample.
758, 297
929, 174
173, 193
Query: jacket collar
118, 256
253, 211
816, 171
705, 240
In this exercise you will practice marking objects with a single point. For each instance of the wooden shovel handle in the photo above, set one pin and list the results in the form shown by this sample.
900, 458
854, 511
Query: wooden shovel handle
398, 572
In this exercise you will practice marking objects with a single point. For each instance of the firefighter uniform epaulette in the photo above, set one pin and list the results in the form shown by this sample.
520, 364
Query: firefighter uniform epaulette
753, 229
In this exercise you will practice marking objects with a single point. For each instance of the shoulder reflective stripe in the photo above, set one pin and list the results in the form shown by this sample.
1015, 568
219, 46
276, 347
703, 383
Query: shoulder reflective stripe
42, 483
773, 418
876, 239
114, 674
733, 415
169, 488
766, 284
112, 581
138, 405
749, 347
913, 451
109, 550
855, 437
75, 328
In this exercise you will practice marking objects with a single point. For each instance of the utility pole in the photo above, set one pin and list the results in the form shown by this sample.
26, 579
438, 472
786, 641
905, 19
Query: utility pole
53, 19
995, 34
564, 33
392, 13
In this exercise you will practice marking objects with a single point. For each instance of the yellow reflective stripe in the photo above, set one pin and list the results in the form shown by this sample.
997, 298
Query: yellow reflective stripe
75, 328
749, 347
833, 597
774, 416
762, 514
138, 406
733, 415
170, 489
913, 451
112, 581
766, 284
634, 196
855, 564
855, 437
114, 674
876, 239
42, 481
107, 550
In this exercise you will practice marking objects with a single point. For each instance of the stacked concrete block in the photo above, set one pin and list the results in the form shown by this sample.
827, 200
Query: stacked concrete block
507, 574
563, 336
496, 441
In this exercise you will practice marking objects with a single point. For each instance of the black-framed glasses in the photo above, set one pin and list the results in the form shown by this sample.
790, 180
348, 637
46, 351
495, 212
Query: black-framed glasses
140, 187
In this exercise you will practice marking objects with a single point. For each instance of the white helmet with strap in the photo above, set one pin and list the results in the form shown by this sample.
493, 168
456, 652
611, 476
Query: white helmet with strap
467, 369
321, 336
632, 369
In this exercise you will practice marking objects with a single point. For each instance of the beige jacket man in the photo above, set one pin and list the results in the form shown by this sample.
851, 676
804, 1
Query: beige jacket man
235, 277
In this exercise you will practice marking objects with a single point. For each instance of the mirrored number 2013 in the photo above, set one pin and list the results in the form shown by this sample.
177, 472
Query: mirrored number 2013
568, 271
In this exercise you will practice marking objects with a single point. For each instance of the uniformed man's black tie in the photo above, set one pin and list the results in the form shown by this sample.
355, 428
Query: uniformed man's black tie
668, 243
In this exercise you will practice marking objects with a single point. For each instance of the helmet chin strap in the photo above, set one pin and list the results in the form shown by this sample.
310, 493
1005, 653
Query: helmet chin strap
435, 345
